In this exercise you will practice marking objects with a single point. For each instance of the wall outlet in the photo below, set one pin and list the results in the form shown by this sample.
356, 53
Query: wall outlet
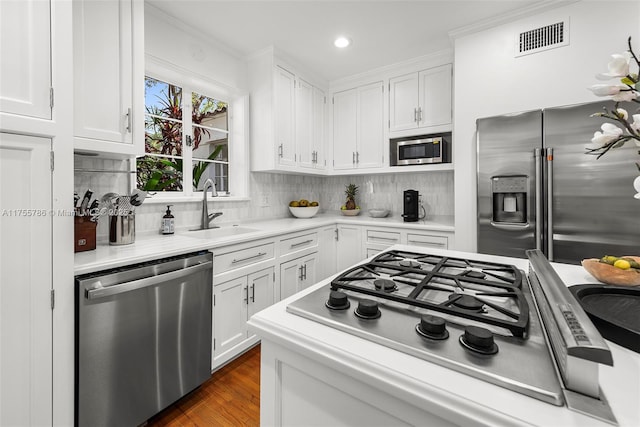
264, 201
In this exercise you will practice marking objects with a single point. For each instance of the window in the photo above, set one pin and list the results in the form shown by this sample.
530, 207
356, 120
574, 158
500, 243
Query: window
183, 127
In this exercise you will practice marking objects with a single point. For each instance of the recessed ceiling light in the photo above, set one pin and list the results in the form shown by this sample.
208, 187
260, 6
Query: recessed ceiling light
342, 42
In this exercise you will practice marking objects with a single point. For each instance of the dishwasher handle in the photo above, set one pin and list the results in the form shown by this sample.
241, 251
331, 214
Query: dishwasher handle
93, 294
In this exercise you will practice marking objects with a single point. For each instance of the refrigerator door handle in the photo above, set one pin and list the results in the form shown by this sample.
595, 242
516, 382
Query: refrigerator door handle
549, 177
538, 197
505, 226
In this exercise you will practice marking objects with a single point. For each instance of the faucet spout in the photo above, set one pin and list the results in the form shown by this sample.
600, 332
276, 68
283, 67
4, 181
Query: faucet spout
206, 218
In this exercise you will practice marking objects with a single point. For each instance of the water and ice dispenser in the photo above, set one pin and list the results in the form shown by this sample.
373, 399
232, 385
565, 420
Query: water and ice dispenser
509, 198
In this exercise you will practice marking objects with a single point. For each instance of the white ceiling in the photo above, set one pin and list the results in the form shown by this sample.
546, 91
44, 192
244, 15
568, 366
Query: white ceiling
383, 32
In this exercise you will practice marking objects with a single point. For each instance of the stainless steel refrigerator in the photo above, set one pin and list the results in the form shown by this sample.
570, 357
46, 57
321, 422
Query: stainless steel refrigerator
538, 189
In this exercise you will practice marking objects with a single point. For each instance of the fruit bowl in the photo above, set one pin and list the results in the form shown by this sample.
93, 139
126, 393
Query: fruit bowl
304, 212
611, 275
350, 212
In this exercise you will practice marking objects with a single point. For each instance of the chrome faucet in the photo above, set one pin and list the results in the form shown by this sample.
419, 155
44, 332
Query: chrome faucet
206, 217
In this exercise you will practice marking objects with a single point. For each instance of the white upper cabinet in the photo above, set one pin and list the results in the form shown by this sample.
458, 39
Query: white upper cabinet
421, 101
25, 58
287, 118
285, 102
358, 133
108, 50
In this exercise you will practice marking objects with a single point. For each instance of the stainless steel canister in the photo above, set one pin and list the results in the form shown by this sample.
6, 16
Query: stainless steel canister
122, 229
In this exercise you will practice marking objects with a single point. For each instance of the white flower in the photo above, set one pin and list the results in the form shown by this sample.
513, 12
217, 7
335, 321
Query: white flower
625, 95
623, 113
608, 134
605, 90
636, 185
635, 125
618, 67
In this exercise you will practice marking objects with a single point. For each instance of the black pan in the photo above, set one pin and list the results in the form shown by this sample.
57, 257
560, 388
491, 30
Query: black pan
614, 311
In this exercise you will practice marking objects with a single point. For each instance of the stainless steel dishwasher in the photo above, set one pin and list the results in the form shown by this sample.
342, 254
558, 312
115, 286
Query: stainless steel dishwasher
143, 338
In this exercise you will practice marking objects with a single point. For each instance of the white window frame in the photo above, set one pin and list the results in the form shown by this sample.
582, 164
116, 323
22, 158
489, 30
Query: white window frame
238, 136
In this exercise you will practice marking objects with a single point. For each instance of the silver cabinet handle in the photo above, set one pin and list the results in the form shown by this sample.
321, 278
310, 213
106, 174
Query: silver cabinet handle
537, 154
550, 204
258, 255
128, 120
433, 244
246, 295
300, 277
280, 150
357, 157
353, 157
293, 245
253, 292
388, 239
415, 115
419, 114
336, 230
305, 271
145, 282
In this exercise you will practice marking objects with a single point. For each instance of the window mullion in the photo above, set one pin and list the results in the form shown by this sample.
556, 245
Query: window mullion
187, 168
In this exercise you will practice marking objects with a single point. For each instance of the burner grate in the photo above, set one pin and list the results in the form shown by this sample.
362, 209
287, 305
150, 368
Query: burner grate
480, 291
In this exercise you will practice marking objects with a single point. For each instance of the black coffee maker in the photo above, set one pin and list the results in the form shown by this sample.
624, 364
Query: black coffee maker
411, 205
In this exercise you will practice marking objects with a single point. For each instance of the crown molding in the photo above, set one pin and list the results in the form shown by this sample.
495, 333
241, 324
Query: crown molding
507, 17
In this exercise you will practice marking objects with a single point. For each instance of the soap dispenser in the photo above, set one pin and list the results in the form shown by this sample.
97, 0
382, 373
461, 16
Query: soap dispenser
167, 221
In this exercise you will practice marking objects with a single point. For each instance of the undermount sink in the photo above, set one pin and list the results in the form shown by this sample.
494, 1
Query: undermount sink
216, 233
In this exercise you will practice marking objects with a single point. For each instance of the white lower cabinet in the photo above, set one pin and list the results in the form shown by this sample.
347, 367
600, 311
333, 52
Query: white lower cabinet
297, 274
26, 375
349, 246
234, 302
327, 238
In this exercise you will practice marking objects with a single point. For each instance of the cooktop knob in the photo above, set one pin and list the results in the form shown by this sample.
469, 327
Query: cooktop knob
433, 327
368, 309
337, 301
479, 340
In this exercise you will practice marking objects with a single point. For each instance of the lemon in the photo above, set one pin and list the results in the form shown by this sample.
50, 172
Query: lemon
622, 264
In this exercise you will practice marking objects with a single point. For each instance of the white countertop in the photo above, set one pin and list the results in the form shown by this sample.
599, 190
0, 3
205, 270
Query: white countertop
418, 381
149, 247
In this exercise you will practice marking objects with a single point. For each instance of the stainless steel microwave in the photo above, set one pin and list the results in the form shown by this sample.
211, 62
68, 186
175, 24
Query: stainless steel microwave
419, 151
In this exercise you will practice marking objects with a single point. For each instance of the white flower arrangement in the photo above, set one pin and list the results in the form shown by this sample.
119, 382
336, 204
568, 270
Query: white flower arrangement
624, 128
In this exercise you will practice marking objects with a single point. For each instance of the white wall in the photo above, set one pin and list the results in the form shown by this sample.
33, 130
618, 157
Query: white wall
490, 81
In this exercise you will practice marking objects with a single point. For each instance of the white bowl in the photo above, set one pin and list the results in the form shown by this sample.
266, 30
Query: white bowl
305, 212
349, 212
378, 213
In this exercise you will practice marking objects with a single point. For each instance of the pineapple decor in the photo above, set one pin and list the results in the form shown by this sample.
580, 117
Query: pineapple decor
350, 205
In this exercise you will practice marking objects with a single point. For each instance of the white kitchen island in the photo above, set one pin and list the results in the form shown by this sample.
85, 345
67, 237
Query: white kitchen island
312, 374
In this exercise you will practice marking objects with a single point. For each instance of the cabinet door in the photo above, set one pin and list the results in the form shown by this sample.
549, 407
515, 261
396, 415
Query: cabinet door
370, 145
285, 116
435, 96
103, 73
326, 252
319, 104
290, 276
25, 58
260, 290
25, 280
403, 102
229, 316
345, 129
304, 124
349, 246
309, 271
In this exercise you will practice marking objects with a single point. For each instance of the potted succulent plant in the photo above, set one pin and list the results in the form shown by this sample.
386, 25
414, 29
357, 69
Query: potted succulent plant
350, 207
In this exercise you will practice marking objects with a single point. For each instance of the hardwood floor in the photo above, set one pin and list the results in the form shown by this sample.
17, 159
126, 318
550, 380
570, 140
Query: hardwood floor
231, 397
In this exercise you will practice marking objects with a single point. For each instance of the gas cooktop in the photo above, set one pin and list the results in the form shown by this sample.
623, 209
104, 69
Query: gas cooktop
472, 316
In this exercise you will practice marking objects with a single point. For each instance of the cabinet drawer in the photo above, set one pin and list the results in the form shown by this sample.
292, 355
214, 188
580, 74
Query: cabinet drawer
427, 240
298, 243
383, 237
241, 258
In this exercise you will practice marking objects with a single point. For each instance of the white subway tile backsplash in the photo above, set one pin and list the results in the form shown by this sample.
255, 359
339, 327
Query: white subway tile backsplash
375, 191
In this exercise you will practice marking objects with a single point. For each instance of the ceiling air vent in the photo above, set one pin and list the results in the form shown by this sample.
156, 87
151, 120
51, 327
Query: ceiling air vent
543, 38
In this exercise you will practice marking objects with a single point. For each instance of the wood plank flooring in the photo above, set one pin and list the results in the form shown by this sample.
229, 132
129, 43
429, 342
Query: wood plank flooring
231, 397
